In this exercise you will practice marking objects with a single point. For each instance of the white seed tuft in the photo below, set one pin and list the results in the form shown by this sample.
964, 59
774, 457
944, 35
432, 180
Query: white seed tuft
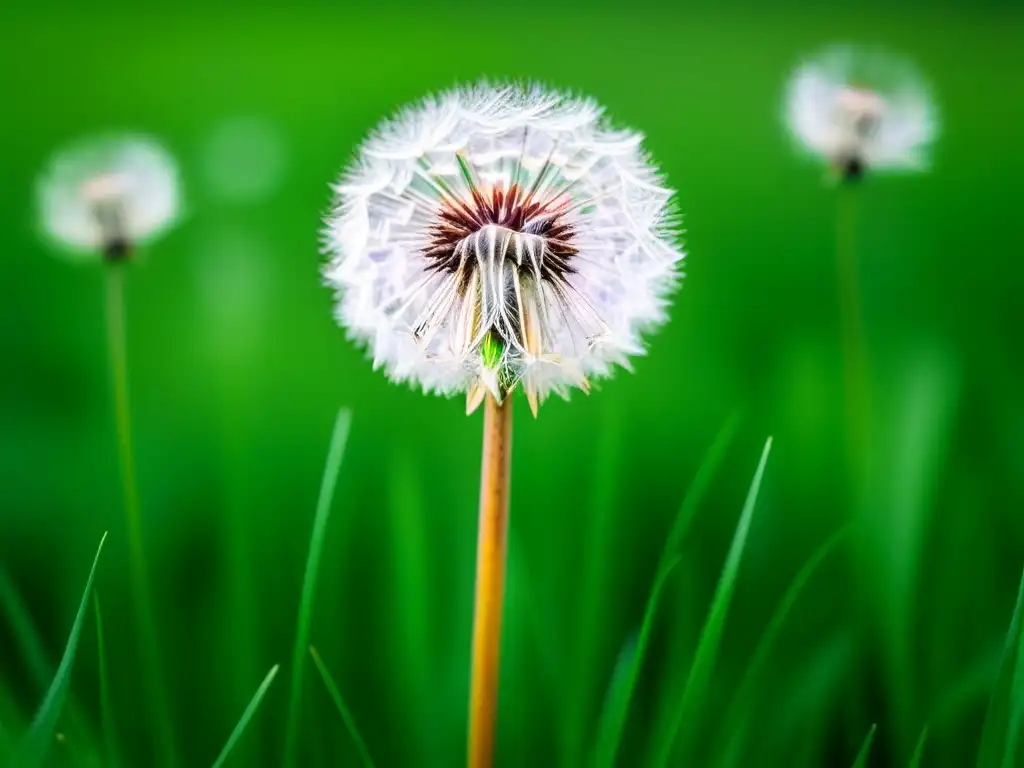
861, 110
106, 195
493, 237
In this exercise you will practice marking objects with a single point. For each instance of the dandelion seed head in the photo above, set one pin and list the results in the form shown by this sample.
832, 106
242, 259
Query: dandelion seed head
104, 196
500, 236
862, 109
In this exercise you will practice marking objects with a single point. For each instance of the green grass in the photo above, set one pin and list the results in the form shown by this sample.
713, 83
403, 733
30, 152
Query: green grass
339, 703
247, 715
1002, 723
335, 453
918, 756
613, 717
738, 716
41, 732
865, 749
686, 710
107, 725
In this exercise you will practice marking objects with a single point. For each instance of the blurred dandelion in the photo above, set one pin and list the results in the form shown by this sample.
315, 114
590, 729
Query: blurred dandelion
862, 110
101, 198
859, 110
495, 237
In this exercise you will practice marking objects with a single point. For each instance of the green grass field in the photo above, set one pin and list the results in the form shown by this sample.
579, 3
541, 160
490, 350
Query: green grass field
677, 594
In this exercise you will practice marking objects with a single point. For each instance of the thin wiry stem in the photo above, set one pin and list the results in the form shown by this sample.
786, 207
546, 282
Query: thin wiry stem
855, 362
492, 551
140, 580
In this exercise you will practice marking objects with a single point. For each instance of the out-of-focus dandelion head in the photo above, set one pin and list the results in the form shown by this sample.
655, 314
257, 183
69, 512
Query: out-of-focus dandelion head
501, 236
104, 196
861, 109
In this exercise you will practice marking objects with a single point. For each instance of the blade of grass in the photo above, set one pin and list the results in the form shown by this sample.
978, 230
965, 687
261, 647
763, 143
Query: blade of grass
41, 732
755, 668
707, 647
998, 719
612, 721
346, 716
106, 710
1016, 707
413, 636
865, 749
593, 607
699, 487
32, 652
30, 644
915, 760
246, 717
335, 453
616, 710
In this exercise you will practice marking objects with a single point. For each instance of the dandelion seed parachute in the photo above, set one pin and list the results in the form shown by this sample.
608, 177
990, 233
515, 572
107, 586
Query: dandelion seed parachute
861, 109
103, 196
500, 236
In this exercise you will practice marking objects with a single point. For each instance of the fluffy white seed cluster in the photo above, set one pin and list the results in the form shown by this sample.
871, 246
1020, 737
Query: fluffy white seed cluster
861, 109
500, 236
104, 196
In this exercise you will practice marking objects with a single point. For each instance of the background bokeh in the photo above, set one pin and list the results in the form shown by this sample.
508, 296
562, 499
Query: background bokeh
237, 371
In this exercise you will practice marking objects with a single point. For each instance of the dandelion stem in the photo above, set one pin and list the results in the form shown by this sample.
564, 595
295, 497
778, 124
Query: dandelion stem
492, 548
140, 582
855, 369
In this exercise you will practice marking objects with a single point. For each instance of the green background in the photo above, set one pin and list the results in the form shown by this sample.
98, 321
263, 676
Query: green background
237, 371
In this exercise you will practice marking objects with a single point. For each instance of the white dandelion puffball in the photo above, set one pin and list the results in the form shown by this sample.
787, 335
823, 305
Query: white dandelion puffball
862, 109
106, 195
495, 236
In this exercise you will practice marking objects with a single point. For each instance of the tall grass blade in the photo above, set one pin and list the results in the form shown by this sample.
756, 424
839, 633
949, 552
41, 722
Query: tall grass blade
598, 542
613, 720
1016, 708
30, 645
711, 634
699, 487
246, 717
865, 749
41, 732
915, 760
106, 709
346, 716
32, 652
412, 635
614, 717
995, 736
335, 453
762, 652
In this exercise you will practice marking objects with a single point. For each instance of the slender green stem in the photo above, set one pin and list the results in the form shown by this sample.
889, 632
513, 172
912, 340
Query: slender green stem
855, 360
149, 649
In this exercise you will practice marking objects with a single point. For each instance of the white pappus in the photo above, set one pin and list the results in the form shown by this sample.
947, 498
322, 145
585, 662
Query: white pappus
499, 236
106, 195
861, 109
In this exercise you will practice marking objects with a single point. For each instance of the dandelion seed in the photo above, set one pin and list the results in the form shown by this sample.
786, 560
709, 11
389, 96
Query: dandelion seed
862, 109
105, 196
495, 237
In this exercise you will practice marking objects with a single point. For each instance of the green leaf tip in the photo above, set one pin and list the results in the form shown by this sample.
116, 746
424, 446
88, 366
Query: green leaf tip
41, 733
247, 715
